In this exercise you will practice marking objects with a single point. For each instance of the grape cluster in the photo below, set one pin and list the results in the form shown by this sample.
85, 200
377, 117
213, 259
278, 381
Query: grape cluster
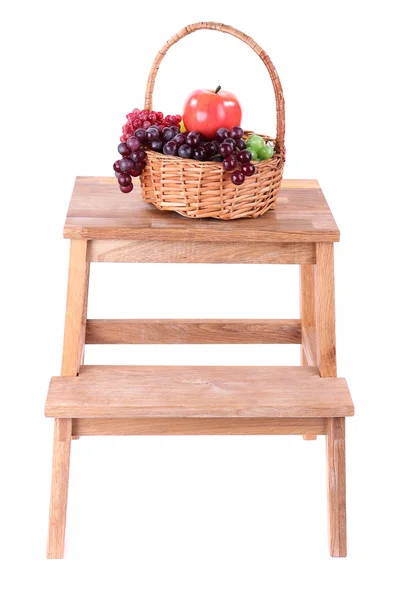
165, 136
138, 119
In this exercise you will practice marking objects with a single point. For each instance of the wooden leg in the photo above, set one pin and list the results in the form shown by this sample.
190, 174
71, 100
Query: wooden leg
325, 310
307, 312
336, 471
59, 487
74, 340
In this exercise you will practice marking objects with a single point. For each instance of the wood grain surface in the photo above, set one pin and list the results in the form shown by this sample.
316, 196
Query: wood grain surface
190, 426
155, 251
59, 487
193, 331
336, 475
160, 391
98, 210
325, 311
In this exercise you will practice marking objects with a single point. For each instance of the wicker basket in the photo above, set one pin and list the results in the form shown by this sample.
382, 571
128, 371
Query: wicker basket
200, 189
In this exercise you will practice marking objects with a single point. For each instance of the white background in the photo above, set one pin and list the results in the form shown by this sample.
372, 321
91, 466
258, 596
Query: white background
193, 518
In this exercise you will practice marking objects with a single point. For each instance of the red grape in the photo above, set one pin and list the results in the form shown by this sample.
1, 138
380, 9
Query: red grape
225, 149
116, 166
244, 156
237, 177
125, 164
124, 149
236, 133
199, 153
222, 134
144, 114
193, 138
138, 155
134, 143
229, 163
160, 116
124, 179
248, 169
126, 189
137, 123
140, 133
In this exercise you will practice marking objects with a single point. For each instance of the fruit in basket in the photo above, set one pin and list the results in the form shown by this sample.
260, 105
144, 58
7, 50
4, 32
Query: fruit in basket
255, 141
207, 111
237, 177
150, 131
265, 152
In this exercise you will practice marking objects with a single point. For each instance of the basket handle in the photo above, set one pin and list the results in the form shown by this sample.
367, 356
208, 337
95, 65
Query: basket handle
280, 102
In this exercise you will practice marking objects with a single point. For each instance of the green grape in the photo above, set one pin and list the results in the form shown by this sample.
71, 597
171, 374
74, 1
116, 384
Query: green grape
255, 141
265, 152
253, 152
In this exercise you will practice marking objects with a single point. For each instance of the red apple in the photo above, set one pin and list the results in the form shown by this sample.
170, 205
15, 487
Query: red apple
208, 110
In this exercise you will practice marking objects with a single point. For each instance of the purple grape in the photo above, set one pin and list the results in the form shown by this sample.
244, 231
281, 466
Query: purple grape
134, 143
237, 177
229, 163
175, 129
116, 166
152, 134
167, 134
126, 189
248, 169
125, 164
157, 146
199, 153
140, 134
124, 149
124, 179
222, 134
230, 141
139, 166
138, 156
193, 139
180, 138
240, 144
244, 156
185, 151
211, 148
236, 133
218, 158
171, 148
225, 149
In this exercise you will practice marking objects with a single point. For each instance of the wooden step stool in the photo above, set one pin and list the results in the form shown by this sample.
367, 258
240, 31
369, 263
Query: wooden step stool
107, 226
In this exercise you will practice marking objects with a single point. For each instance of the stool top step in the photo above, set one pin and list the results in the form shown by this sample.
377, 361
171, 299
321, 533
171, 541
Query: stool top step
98, 210
160, 391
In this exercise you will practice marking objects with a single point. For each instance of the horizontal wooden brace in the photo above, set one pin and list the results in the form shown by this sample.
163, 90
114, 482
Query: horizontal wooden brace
193, 331
198, 426
143, 251
309, 342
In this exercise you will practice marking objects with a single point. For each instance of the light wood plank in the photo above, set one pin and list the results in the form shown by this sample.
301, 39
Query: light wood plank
59, 487
98, 210
190, 426
193, 331
325, 311
336, 471
159, 391
309, 343
75, 318
139, 251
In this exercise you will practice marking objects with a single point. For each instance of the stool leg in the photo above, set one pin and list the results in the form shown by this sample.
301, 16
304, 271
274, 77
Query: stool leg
336, 472
74, 341
307, 312
59, 487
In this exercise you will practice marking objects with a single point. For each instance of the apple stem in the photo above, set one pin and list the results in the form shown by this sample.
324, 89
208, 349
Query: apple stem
217, 90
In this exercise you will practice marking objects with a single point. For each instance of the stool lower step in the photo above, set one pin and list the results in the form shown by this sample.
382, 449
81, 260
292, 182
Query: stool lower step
201, 392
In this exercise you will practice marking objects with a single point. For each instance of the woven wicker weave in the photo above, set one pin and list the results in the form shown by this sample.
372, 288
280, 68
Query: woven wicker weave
200, 189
